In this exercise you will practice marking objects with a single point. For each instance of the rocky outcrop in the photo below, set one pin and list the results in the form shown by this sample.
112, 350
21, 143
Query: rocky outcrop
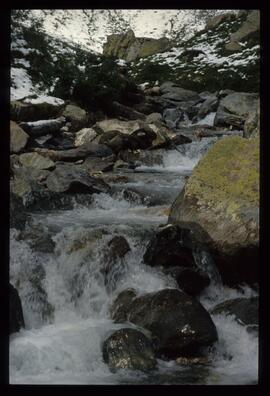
128, 349
179, 324
18, 138
128, 47
43, 127
249, 28
218, 19
222, 196
16, 320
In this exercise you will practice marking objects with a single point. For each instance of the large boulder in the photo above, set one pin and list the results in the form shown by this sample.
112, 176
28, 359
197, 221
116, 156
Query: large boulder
113, 124
121, 305
129, 349
69, 179
234, 108
16, 320
35, 160
222, 197
35, 109
245, 310
179, 324
249, 28
18, 138
127, 46
174, 92
76, 116
191, 280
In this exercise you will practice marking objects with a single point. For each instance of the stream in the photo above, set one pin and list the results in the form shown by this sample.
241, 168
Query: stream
65, 298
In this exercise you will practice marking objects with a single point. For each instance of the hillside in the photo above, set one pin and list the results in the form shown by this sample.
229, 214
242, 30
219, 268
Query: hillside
204, 62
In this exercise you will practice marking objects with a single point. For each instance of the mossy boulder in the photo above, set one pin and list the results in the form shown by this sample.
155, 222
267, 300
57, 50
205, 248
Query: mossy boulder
222, 196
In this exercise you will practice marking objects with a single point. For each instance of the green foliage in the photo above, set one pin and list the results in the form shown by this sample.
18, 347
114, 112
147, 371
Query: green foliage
152, 72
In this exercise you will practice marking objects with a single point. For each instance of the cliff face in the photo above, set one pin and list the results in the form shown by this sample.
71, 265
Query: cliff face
128, 47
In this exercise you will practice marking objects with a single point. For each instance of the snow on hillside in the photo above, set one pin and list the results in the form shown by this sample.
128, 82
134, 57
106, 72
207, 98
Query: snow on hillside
203, 61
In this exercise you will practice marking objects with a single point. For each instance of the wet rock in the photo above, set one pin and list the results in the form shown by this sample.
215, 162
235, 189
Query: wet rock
191, 280
37, 161
222, 197
76, 116
209, 105
38, 239
17, 217
172, 116
16, 320
85, 135
245, 310
129, 349
118, 247
34, 110
68, 179
120, 307
166, 249
81, 152
178, 323
43, 127
18, 138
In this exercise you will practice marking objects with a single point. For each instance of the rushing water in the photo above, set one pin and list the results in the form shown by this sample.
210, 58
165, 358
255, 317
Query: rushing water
65, 300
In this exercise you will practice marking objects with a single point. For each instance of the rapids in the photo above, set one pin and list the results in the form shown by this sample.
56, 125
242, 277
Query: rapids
65, 300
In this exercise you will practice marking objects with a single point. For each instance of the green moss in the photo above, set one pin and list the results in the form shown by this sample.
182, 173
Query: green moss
228, 175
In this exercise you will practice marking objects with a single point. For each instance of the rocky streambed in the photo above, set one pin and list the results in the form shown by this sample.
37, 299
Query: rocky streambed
123, 265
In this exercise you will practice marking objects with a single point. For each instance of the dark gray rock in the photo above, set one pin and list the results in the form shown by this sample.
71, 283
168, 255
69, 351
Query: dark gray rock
18, 216
118, 247
121, 305
167, 249
128, 349
192, 281
178, 323
16, 320
69, 179
76, 116
209, 105
172, 91
246, 310
127, 112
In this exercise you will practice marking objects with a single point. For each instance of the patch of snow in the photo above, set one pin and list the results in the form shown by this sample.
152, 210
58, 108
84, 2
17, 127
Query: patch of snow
45, 99
21, 84
23, 62
121, 62
81, 68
